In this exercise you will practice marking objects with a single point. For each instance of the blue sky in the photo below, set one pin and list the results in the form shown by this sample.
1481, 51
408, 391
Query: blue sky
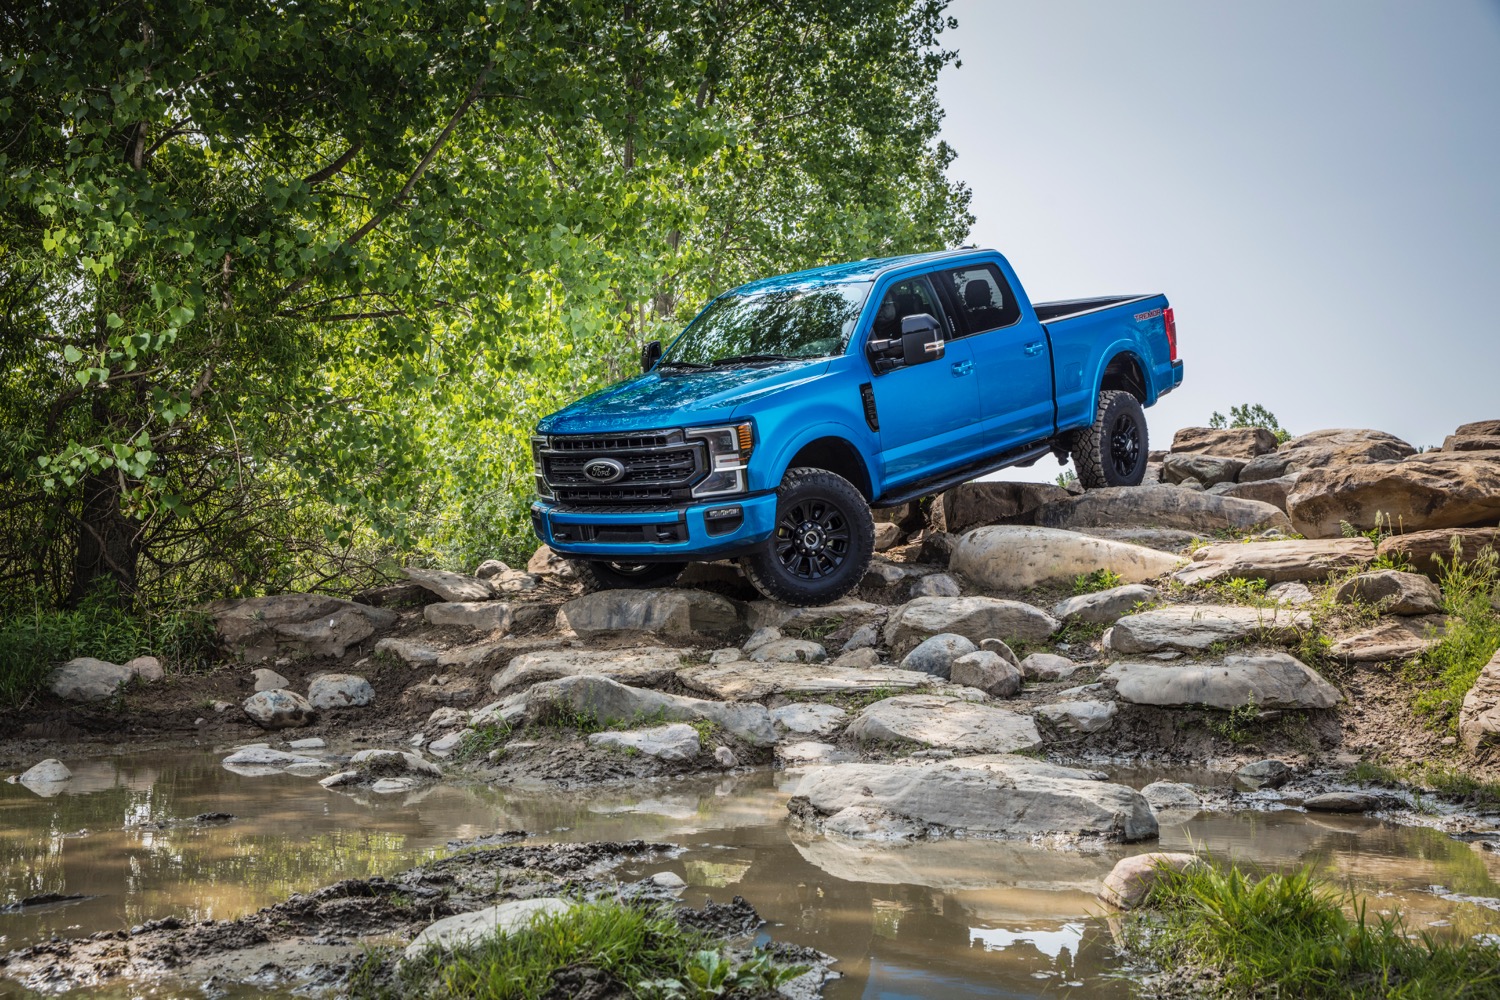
1315, 185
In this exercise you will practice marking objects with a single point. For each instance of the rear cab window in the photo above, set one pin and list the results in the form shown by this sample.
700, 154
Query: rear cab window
981, 298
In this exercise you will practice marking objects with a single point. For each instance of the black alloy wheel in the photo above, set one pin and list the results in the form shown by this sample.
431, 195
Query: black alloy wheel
812, 538
1113, 450
822, 544
1125, 445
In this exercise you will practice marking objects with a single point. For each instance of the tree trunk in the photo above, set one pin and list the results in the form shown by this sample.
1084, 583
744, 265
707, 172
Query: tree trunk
108, 552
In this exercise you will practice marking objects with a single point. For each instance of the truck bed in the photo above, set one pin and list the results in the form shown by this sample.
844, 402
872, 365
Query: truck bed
1051, 312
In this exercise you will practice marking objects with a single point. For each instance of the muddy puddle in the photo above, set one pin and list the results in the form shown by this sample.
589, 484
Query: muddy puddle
956, 918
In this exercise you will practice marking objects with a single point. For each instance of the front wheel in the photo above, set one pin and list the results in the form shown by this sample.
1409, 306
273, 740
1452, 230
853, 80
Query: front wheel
1113, 450
822, 544
625, 576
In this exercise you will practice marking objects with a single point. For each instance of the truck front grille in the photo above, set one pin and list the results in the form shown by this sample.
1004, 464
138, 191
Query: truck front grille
660, 467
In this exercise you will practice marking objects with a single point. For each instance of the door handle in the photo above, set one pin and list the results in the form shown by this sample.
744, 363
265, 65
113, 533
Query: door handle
962, 368
1033, 349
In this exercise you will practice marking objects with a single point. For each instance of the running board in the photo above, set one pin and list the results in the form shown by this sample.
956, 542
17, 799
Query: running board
984, 467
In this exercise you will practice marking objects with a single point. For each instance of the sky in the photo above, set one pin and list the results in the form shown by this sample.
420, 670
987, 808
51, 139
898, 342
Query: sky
1315, 184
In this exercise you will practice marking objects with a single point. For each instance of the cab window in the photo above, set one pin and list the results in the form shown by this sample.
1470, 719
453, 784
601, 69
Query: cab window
981, 298
911, 297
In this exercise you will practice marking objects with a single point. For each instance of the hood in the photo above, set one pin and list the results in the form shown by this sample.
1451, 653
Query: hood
671, 399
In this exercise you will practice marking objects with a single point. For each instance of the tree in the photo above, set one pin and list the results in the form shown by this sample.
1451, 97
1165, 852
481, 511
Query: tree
1249, 415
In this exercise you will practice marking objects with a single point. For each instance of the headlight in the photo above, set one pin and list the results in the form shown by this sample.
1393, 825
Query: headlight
729, 450
542, 489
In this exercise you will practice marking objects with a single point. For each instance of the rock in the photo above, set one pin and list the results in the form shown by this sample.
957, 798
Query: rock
545, 562
676, 613
1479, 716
1271, 491
858, 659
728, 654
935, 656
1104, 607
887, 536
1194, 628
993, 645
1080, 716
761, 637
261, 628
1343, 802
945, 723
759, 614
310, 743
442, 689
649, 666
1263, 774
279, 709
1277, 562
86, 679
610, 702
987, 671
445, 745
266, 757
810, 718
1017, 558
452, 587
1236, 442
747, 681
1397, 639
1411, 496
974, 618
1265, 680
973, 505
725, 758
1169, 540
268, 680
809, 753
48, 772
999, 795
1327, 448
376, 761
1291, 595
882, 574
788, 651
339, 691
1160, 507
936, 585
1392, 592
488, 569
1192, 483
1132, 879
1047, 667
481, 925
1172, 798
671, 742
864, 637
146, 669
408, 651
515, 581
1429, 551
1208, 469
482, 616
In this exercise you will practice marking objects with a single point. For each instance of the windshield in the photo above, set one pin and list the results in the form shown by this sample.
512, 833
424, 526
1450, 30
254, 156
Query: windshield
777, 325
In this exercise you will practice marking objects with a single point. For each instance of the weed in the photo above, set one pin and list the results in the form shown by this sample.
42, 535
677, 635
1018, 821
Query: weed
1455, 785
1099, 579
859, 699
1239, 725
818, 630
479, 742
1368, 773
1077, 631
1448, 668
706, 730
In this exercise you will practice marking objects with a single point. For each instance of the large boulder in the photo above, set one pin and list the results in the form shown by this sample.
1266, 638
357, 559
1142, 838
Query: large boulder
1483, 435
988, 672
1391, 640
339, 691
1393, 592
972, 505
1271, 491
770, 614
86, 679
945, 723
974, 618
675, 613
999, 795
1210, 470
1277, 562
261, 628
1411, 496
1193, 628
1337, 446
1080, 716
1265, 680
545, 562
279, 709
452, 587
1479, 717
1429, 551
1159, 507
611, 703
1235, 442
482, 616
935, 656
650, 666
1017, 558
744, 680
1103, 607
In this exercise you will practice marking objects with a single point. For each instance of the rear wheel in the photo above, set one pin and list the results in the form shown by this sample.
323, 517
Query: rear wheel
625, 576
822, 544
1113, 450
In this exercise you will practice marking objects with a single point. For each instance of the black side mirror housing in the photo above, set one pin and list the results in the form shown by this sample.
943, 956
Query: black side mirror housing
650, 355
921, 339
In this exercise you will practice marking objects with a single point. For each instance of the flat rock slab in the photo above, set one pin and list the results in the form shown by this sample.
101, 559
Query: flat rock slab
1392, 592
810, 718
1235, 442
1104, 607
677, 741
1277, 562
408, 651
769, 614
945, 723
746, 681
1343, 802
1267, 681
681, 613
1080, 716
1017, 558
471, 928
482, 616
1193, 628
999, 795
454, 587
1159, 507
1398, 639
649, 666
974, 618
610, 703
788, 651
1332, 447
1418, 496
1429, 551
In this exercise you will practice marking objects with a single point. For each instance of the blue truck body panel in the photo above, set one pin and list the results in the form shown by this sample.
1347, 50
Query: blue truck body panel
991, 394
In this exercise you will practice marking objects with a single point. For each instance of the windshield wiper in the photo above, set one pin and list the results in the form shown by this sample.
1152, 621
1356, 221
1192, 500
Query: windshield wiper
740, 358
680, 364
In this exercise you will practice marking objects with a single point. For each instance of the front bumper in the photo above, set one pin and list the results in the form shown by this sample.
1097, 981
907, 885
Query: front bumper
672, 534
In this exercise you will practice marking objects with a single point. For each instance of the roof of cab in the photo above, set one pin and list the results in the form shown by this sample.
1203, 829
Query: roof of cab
859, 270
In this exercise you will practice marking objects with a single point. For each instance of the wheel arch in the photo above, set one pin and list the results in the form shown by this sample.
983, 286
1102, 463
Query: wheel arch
1125, 371
836, 454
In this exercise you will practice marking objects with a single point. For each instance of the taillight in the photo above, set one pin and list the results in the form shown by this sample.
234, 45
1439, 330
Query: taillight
1170, 322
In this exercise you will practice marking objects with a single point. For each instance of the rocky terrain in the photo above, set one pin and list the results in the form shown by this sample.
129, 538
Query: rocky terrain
1252, 608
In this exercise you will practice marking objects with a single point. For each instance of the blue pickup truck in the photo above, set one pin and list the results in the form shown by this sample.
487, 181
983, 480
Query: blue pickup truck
791, 406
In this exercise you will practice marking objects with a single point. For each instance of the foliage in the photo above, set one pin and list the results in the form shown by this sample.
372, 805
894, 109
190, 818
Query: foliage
1239, 724
1250, 415
1447, 669
283, 292
1068, 477
1097, 580
1290, 933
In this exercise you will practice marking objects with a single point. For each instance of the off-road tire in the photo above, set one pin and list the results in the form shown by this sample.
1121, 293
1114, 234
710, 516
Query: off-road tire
598, 575
1113, 450
822, 544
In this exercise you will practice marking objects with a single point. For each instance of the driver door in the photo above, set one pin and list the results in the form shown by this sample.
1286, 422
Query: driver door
928, 413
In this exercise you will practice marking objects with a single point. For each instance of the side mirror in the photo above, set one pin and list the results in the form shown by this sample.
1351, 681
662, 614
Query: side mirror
921, 339
650, 355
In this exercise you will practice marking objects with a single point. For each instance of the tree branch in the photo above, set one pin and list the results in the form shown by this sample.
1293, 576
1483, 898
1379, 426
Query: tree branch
319, 176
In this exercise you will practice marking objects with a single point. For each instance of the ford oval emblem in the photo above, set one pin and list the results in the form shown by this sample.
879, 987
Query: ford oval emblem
603, 470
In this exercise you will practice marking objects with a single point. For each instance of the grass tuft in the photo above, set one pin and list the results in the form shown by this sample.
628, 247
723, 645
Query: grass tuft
1099, 579
1447, 670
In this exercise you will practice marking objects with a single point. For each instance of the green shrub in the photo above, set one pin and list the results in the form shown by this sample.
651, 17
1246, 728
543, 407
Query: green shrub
1250, 415
1099, 579
1447, 669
